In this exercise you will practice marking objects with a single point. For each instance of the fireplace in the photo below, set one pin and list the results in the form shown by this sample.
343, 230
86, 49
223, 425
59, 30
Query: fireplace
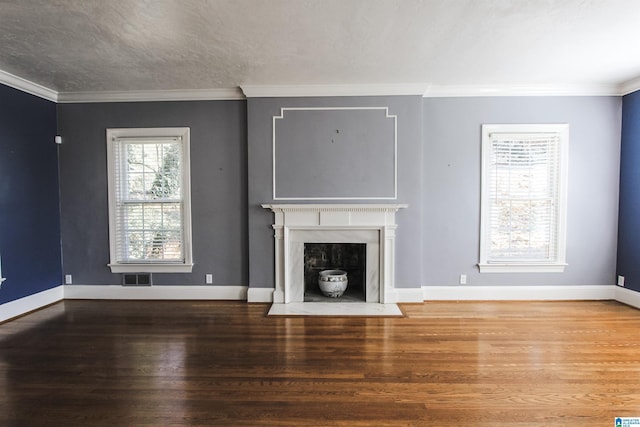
370, 226
347, 257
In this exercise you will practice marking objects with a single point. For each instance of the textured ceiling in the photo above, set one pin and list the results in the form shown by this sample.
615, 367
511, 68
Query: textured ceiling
142, 45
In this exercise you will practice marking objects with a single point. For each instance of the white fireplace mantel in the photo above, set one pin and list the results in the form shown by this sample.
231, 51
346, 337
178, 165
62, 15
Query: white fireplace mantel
373, 224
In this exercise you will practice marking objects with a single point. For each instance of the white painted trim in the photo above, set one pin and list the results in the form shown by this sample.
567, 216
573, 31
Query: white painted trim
507, 293
630, 86
448, 91
278, 91
561, 130
188, 292
521, 268
151, 268
395, 152
28, 86
151, 95
183, 134
409, 295
627, 296
30, 303
255, 91
260, 294
324, 221
381, 207
332, 198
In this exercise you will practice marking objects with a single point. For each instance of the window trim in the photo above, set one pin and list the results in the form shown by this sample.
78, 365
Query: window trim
156, 266
525, 266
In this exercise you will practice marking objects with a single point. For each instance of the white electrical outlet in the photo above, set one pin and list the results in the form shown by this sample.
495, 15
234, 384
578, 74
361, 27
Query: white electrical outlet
621, 281
68, 279
463, 279
208, 278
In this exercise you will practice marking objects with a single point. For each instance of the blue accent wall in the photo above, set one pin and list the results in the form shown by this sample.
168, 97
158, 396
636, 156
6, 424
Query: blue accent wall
629, 220
29, 203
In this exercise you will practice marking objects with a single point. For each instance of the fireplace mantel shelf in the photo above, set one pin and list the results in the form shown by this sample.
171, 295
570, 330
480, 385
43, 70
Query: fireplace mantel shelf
334, 207
336, 215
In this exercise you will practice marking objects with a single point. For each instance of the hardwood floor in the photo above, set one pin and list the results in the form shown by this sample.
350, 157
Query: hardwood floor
127, 363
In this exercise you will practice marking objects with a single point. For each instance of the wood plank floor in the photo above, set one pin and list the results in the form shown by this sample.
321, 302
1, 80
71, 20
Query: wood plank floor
126, 363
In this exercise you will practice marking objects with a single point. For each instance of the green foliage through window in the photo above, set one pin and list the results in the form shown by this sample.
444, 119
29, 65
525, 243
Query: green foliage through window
152, 215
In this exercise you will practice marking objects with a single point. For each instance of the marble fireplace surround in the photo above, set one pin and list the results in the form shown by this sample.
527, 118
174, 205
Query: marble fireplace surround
297, 224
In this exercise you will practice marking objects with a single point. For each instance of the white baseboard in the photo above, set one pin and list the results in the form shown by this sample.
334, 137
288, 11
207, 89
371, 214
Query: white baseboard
426, 293
24, 305
260, 295
408, 295
628, 297
155, 292
506, 293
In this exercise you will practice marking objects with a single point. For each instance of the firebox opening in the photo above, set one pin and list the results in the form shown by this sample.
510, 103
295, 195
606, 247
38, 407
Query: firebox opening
350, 257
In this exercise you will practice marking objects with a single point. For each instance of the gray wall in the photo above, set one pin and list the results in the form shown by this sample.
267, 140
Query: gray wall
218, 186
335, 153
260, 113
452, 139
438, 176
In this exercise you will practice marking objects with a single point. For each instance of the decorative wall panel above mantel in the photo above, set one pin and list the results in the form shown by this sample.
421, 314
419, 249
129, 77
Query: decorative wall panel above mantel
335, 153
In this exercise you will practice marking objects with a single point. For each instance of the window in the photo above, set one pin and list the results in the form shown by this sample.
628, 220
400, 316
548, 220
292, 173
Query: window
523, 213
149, 200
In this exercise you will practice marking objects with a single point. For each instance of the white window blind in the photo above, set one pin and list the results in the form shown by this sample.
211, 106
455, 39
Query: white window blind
149, 202
523, 196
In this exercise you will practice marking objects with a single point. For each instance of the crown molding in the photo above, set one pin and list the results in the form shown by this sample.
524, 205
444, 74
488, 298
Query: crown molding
279, 91
151, 95
269, 91
28, 86
630, 86
436, 91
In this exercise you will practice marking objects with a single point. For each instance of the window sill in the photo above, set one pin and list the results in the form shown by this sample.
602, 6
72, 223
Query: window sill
522, 268
151, 268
